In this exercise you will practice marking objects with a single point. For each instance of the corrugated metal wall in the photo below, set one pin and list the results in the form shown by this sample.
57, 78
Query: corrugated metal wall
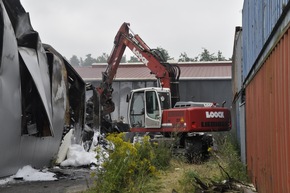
266, 72
268, 121
190, 90
206, 91
238, 106
259, 19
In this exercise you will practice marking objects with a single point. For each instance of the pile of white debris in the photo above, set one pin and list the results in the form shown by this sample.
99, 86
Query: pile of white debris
70, 155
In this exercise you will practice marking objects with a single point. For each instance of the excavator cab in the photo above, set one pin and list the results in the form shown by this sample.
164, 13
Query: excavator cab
146, 105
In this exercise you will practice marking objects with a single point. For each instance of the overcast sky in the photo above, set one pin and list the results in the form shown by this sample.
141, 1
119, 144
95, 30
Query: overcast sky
81, 27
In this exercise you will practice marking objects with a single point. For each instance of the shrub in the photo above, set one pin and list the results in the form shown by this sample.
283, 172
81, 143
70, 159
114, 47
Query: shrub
130, 167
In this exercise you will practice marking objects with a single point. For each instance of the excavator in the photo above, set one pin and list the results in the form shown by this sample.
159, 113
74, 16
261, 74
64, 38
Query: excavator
158, 111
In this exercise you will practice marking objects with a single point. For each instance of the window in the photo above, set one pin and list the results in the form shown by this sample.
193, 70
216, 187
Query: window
165, 100
152, 107
137, 110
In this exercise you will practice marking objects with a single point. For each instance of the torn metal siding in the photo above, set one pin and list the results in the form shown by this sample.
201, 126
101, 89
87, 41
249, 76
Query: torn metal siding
41, 96
36, 64
10, 98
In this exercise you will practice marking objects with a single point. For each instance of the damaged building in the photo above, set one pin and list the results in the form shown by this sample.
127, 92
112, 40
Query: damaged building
41, 95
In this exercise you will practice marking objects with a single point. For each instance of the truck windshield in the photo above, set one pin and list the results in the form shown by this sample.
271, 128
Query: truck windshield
165, 100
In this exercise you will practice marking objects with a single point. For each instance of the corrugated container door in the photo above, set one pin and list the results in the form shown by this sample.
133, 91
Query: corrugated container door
267, 121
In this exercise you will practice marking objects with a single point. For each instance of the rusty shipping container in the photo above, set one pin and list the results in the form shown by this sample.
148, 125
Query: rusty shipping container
266, 81
268, 121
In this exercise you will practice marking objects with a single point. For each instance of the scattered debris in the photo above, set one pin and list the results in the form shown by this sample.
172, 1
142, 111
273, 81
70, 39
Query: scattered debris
78, 156
229, 185
27, 173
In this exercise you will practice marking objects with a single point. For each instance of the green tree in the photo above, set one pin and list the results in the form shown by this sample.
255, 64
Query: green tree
89, 60
103, 58
220, 56
165, 53
74, 61
204, 56
207, 56
184, 58
133, 59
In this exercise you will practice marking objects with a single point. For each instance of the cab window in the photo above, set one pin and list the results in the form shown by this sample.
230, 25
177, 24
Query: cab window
152, 107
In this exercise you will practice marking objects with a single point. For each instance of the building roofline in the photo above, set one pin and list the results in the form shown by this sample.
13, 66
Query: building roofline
94, 65
153, 79
205, 78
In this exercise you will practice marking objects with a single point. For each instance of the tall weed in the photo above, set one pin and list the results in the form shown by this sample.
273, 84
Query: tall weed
228, 156
224, 163
130, 167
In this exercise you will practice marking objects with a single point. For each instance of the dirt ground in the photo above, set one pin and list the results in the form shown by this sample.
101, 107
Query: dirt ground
75, 180
70, 180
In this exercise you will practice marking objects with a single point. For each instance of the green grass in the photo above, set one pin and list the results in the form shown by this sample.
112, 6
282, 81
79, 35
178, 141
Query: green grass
150, 167
224, 164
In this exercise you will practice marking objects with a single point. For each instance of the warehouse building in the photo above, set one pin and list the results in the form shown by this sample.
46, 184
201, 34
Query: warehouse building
199, 81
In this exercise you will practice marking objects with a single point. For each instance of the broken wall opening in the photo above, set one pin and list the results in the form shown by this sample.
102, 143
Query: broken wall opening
34, 119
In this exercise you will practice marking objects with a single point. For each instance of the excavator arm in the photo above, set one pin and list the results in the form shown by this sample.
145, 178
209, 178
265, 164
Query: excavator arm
166, 74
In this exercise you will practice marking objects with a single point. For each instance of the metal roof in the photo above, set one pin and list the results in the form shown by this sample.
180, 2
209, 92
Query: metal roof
138, 71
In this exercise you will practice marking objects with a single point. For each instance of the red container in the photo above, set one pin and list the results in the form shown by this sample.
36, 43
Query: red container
267, 121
